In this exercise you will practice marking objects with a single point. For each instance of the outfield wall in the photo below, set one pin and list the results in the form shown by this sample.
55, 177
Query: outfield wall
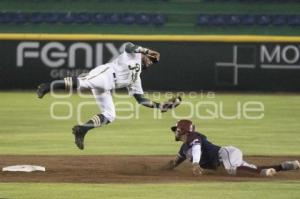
252, 63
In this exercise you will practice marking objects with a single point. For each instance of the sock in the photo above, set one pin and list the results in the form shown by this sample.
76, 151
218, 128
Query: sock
65, 84
70, 83
96, 121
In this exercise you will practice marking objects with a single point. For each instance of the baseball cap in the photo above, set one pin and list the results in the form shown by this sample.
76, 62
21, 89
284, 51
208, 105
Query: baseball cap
185, 126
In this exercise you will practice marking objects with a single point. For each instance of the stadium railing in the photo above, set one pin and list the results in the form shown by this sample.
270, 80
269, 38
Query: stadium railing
82, 18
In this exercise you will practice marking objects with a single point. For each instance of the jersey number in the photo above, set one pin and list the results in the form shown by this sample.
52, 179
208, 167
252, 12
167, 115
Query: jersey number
135, 71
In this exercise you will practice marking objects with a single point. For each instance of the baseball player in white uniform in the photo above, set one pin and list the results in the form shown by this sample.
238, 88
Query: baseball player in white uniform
205, 155
123, 72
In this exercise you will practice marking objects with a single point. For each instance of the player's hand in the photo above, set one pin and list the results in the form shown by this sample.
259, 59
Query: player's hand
196, 169
170, 165
153, 55
170, 104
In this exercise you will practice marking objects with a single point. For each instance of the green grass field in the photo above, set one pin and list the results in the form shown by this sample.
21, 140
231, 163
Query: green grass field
27, 128
247, 190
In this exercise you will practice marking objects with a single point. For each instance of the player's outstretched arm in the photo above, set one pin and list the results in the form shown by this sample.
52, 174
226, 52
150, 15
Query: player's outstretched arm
174, 163
170, 104
141, 99
132, 48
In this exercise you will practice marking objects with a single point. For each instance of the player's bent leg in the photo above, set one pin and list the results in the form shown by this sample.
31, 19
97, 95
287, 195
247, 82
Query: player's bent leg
100, 78
65, 84
105, 102
246, 164
80, 131
233, 162
262, 171
273, 169
245, 167
252, 169
232, 158
265, 171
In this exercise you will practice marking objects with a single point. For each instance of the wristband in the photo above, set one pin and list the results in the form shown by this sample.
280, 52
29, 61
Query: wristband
142, 50
156, 105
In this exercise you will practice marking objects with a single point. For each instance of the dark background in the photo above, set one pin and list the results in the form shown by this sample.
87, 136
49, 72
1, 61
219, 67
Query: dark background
184, 66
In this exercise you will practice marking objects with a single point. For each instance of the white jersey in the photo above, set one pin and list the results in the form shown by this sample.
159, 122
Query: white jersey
127, 68
123, 72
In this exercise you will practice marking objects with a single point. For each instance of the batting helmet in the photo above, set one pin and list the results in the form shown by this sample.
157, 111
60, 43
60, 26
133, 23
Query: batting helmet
183, 127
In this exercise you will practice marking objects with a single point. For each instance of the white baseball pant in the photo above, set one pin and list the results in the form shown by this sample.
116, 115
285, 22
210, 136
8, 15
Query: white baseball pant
100, 81
232, 158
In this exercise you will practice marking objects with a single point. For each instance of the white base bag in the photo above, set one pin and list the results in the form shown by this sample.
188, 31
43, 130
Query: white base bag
24, 168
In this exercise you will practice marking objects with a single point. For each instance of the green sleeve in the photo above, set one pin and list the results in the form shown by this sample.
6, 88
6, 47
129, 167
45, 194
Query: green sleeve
131, 48
141, 99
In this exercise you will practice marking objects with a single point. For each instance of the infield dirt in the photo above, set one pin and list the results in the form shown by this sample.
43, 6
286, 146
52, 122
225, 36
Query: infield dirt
127, 169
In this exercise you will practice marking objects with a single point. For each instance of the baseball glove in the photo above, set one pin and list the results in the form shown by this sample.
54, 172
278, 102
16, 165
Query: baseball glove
170, 104
153, 56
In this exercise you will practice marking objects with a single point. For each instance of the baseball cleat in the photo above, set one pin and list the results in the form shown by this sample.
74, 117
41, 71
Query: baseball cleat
42, 90
268, 172
290, 165
79, 133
